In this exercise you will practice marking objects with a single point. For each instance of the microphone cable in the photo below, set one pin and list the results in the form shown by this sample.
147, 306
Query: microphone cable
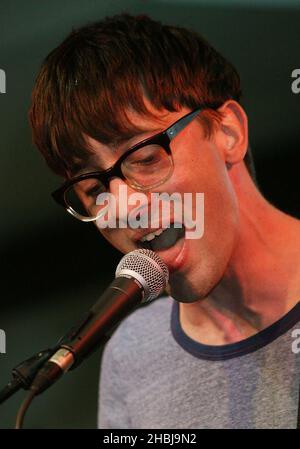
23, 409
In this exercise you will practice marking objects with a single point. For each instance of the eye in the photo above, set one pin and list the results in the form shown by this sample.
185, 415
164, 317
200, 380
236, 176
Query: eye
89, 188
95, 190
145, 156
146, 160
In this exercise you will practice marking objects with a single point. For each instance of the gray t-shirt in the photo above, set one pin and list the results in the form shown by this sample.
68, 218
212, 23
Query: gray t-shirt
153, 376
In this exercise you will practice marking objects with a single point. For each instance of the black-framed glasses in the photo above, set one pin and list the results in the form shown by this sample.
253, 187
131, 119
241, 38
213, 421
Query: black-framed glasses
145, 166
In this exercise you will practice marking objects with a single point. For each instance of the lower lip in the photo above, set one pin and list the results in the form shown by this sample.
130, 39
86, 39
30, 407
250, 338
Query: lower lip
175, 256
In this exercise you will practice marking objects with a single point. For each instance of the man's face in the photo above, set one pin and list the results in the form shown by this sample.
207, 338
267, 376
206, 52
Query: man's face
196, 265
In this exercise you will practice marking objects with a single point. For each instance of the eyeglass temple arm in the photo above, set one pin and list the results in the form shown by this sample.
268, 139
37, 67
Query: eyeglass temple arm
177, 127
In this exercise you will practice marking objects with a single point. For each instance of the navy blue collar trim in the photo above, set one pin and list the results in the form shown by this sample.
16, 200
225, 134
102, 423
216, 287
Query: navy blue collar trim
232, 350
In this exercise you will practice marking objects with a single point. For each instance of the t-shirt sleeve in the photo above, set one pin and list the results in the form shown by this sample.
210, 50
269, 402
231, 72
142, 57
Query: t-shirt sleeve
112, 409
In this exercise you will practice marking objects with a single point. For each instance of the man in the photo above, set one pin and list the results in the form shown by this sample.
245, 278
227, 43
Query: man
216, 353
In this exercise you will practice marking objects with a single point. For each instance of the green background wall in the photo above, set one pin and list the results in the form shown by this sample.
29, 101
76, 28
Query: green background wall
52, 267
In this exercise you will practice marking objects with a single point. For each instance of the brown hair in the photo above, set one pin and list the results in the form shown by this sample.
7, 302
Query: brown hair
99, 71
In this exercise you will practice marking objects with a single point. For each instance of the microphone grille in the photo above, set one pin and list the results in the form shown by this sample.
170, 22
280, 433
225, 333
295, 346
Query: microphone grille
148, 268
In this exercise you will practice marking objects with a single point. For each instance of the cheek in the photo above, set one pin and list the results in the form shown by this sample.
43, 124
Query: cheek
221, 216
119, 239
221, 210
204, 171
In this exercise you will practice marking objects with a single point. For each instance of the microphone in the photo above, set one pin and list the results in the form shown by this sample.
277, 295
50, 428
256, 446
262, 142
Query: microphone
140, 277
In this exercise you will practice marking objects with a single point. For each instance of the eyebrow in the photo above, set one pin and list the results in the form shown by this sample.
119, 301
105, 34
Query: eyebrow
87, 169
92, 165
138, 136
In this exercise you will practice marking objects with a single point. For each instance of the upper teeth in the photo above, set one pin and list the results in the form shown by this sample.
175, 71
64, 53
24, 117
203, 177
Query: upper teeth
152, 235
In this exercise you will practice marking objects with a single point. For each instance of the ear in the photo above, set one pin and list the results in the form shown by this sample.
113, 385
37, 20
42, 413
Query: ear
232, 133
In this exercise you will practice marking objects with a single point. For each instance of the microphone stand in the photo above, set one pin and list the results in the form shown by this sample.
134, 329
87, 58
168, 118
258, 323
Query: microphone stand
24, 373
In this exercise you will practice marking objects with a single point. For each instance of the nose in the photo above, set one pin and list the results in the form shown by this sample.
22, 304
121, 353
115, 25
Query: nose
127, 203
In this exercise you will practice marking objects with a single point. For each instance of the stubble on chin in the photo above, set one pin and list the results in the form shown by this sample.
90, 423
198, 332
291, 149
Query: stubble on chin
182, 290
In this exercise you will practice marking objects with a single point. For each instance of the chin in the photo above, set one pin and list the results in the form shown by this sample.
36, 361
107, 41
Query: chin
191, 287
186, 290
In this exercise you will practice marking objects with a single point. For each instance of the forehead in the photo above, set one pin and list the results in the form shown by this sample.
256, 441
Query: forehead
103, 156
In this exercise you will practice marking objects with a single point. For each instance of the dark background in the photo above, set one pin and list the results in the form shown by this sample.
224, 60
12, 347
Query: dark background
53, 267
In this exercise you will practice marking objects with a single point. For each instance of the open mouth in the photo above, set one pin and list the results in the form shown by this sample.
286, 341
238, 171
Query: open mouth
162, 238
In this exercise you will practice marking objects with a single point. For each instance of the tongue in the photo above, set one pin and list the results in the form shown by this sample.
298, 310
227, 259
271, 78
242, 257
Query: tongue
167, 239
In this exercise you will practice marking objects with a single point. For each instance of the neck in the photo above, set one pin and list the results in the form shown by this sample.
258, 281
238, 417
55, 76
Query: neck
262, 280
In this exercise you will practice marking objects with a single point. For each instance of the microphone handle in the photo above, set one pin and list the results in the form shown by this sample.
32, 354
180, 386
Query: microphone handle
122, 296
